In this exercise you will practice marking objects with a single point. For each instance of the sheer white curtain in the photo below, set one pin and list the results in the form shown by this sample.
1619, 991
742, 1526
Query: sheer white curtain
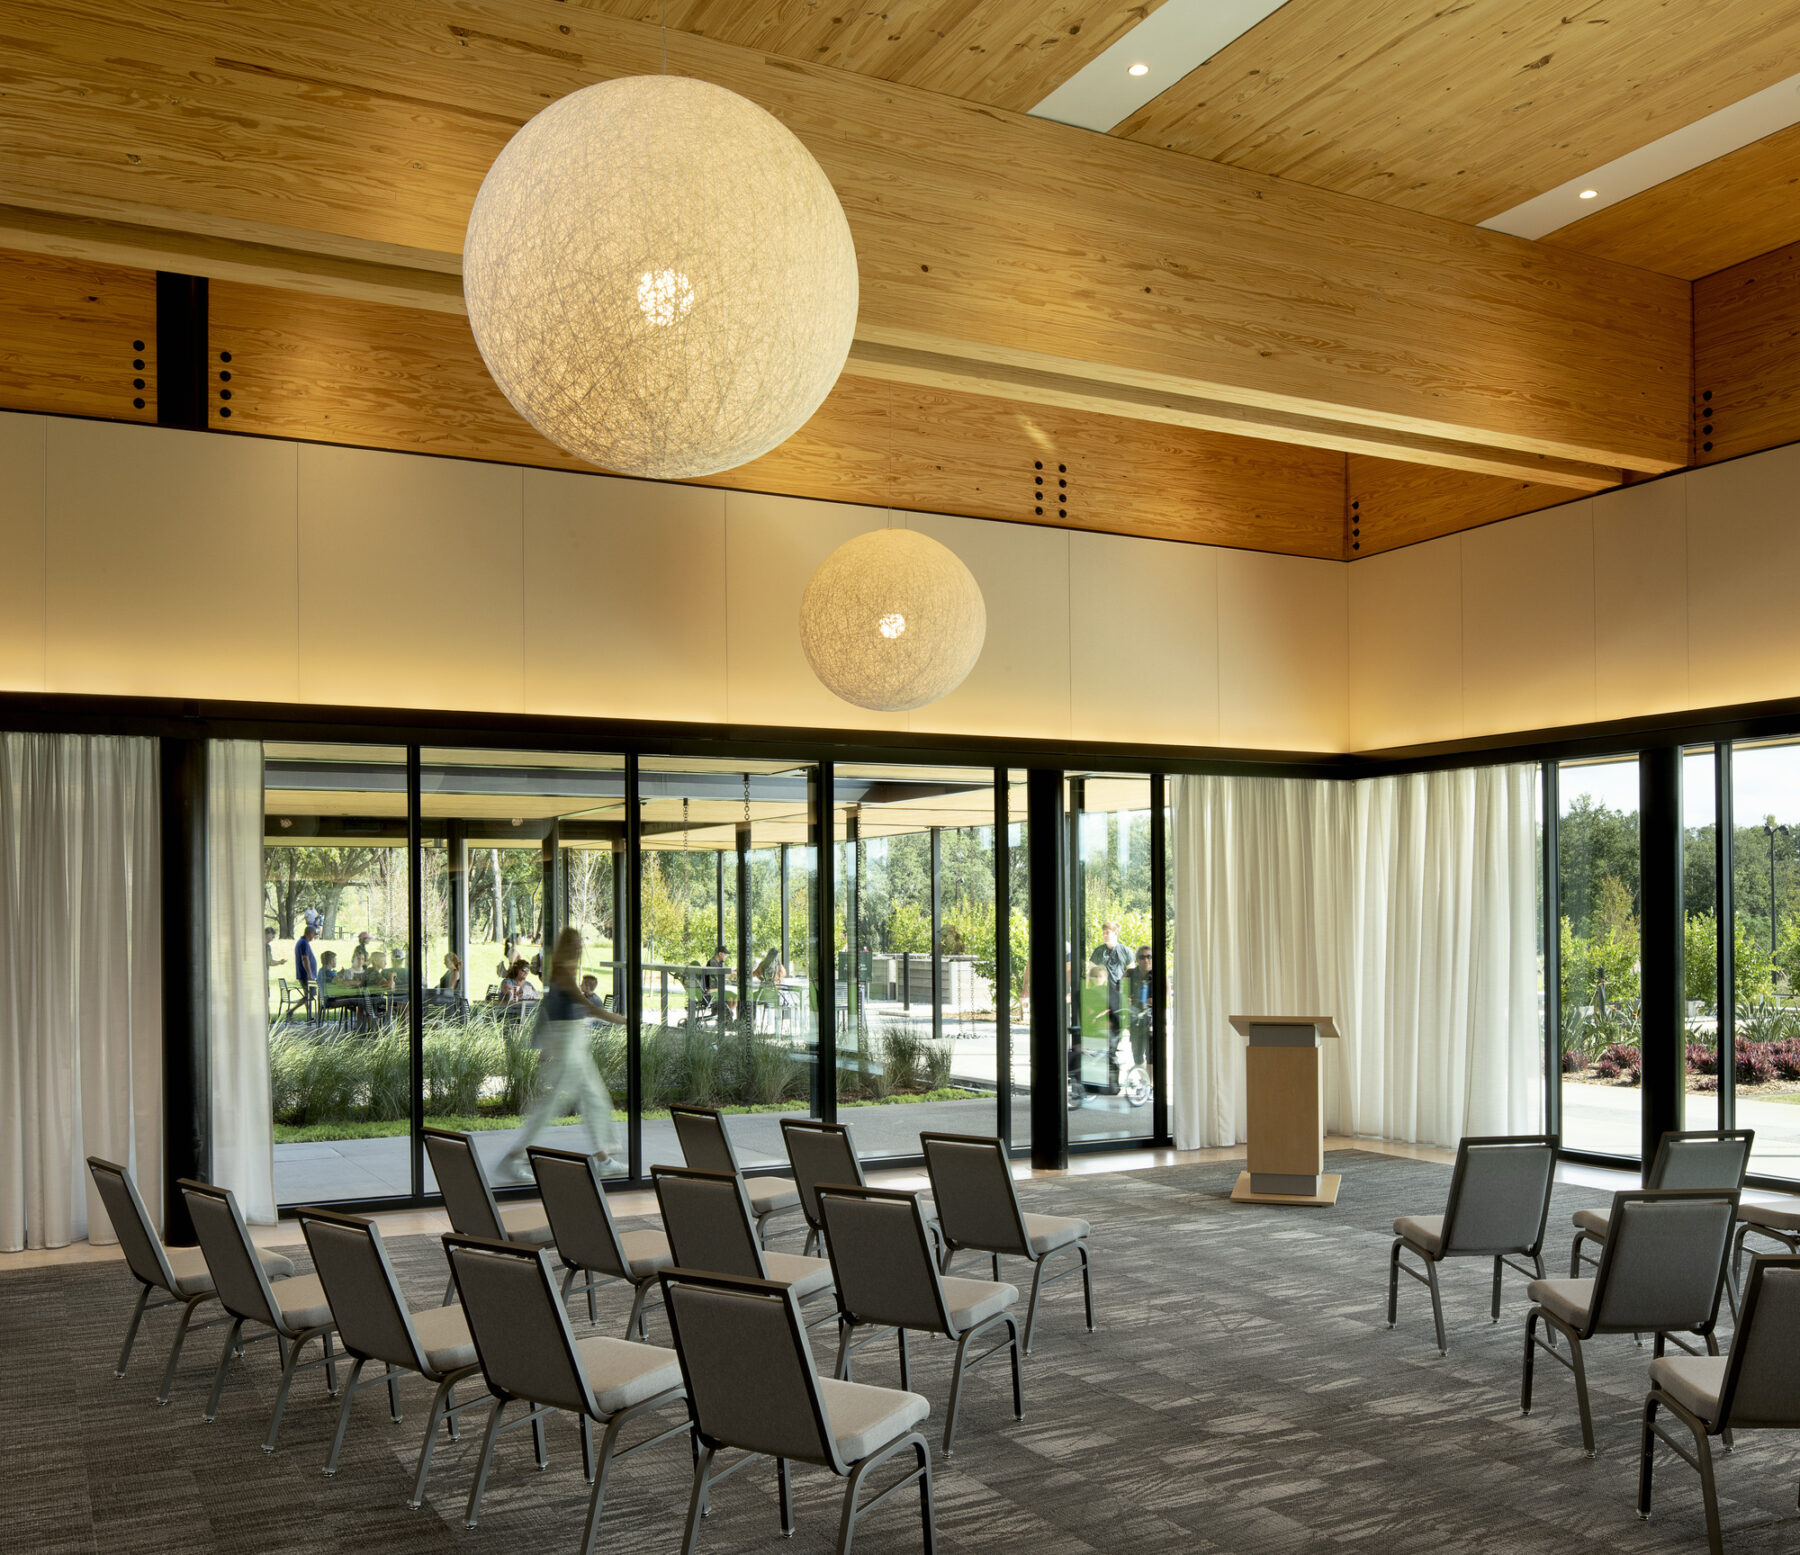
243, 1147
1405, 907
80, 980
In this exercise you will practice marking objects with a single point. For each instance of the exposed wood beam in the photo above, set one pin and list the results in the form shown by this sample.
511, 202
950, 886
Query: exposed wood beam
982, 234
1747, 357
1394, 505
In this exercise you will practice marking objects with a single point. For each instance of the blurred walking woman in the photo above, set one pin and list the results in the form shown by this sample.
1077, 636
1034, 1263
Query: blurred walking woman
566, 1071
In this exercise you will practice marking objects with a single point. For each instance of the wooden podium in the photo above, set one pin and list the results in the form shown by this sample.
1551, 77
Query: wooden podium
1286, 1111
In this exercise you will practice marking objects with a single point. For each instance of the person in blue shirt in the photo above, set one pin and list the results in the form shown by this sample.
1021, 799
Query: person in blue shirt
306, 965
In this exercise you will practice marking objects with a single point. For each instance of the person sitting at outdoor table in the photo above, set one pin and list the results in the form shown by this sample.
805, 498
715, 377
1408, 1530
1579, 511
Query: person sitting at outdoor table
769, 970
516, 989
378, 978
359, 962
452, 978
328, 974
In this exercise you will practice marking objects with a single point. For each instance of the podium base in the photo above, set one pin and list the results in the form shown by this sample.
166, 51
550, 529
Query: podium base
1323, 1199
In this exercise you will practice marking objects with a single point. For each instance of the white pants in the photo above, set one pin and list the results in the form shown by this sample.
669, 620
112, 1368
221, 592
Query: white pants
567, 1074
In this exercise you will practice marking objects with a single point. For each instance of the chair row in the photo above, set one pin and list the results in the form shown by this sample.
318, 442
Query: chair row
1663, 1259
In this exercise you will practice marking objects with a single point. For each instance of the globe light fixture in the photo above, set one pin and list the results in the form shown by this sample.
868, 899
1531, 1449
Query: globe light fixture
660, 277
892, 620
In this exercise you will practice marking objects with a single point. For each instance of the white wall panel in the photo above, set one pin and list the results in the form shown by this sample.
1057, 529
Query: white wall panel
1283, 652
1640, 600
1406, 659
23, 450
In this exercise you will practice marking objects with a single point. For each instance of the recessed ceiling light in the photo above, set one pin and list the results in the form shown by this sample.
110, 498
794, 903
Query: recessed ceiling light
1138, 70
1590, 194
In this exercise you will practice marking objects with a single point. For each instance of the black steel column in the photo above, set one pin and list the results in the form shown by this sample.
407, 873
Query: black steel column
1664, 1031
1002, 959
1075, 891
1049, 987
853, 859
824, 939
415, 928
746, 999
183, 388
187, 1069
786, 962
937, 936
456, 879
625, 932
1725, 907
620, 913
1548, 873
551, 859
719, 896
1159, 957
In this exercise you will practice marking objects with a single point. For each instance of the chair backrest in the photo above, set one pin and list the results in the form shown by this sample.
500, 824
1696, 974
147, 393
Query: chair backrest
881, 1258
701, 1133
1663, 1266
131, 1223
516, 1318
971, 1180
819, 1152
1702, 1158
575, 1205
1762, 1381
351, 1260
748, 1368
468, 1199
1500, 1194
707, 1218
237, 1273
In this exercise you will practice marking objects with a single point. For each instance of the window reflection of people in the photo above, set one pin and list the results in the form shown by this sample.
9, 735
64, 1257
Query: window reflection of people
1140, 984
567, 1075
1112, 959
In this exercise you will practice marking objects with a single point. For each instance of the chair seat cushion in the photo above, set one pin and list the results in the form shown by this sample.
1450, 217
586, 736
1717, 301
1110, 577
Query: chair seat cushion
1049, 1232
975, 1301
1425, 1232
1596, 1222
623, 1373
807, 1276
645, 1252
192, 1277
444, 1337
302, 1302
865, 1419
527, 1223
1693, 1381
1565, 1299
768, 1194
1769, 1216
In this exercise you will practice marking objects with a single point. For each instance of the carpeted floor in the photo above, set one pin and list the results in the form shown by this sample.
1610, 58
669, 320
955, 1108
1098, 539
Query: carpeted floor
1243, 1395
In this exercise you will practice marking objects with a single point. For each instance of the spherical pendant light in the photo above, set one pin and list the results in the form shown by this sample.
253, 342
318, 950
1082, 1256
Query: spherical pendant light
892, 620
660, 277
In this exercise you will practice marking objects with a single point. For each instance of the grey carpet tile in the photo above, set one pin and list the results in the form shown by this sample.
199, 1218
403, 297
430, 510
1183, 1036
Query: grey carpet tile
1243, 1396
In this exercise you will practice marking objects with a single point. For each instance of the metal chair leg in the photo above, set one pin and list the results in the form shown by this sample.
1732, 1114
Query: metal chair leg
343, 1424
1037, 1282
483, 1463
1496, 1305
1647, 1457
181, 1332
842, 1369
1581, 1396
1715, 1542
696, 1501
1575, 1255
927, 1516
1087, 1283
1394, 1282
288, 1369
393, 1392
131, 1329
905, 1361
636, 1320
785, 1492
449, 1290
439, 1403
1437, 1305
218, 1388
1531, 1322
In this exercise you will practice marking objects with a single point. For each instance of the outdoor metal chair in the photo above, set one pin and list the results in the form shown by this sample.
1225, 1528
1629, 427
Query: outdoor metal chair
1661, 1272
588, 1241
294, 1312
978, 1209
1756, 1388
706, 1146
179, 1272
529, 1355
1498, 1205
708, 1219
824, 1152
469, 1199
883, 1263
374, 1323
752, 1386
1713, 1159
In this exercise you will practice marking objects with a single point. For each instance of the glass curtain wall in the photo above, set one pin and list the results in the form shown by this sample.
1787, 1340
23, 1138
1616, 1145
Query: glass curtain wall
1016, 1023
1598, 1012
729, 872
335, 893
1702, 1101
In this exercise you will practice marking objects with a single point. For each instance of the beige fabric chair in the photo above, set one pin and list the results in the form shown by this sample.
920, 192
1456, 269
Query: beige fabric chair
821, 1153
1756, 1388
708, 1219
469, 1199
706, 1147
374, 1323
530, 1355
1714, 1159
179, 1272
1780, 1223
293, 1312
978, 1208
588, 1241
751, 1385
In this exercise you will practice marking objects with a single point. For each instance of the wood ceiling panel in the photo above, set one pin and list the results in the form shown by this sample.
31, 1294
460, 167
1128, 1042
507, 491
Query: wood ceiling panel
1396, 504
1466, 110
1747, 357
71, 338
1734, 208
981, 234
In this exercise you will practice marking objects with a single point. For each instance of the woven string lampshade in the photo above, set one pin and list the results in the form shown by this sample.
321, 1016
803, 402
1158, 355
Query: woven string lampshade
660, 277
892, 620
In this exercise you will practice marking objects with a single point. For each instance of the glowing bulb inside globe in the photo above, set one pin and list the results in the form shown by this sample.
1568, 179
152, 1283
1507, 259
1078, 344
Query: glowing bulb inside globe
664, 296
892, 625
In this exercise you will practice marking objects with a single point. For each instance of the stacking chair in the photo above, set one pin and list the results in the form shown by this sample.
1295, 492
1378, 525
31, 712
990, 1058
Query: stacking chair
751, 1385
1499, 1203
706, 1147
469, 1200
823, 1152
293, 1311
586, 1238
882, 1262
978, 1209
179, 1272
1662, 1272
1713, 1159
1778, 1223
708, 1218
374, 1323
529, 1355
1756, 1388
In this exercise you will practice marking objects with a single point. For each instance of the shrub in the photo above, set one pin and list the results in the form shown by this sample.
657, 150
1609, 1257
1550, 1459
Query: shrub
1702, 1059
1573, 1061
1754, 1065
938, 1059
1622, 1063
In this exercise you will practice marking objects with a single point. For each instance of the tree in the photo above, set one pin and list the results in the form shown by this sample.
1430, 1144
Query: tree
284, 884
1595, 842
